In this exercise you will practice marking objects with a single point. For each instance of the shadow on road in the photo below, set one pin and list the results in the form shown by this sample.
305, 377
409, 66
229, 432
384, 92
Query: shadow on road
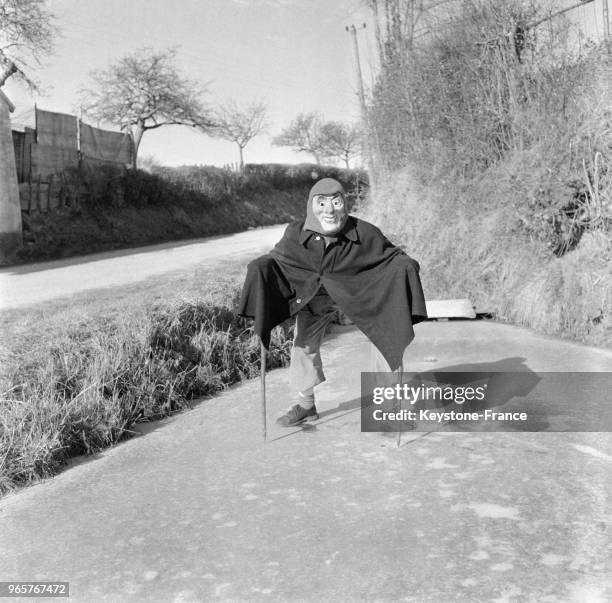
509, 383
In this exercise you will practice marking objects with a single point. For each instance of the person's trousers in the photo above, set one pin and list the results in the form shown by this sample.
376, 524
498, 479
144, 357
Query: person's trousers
306, 368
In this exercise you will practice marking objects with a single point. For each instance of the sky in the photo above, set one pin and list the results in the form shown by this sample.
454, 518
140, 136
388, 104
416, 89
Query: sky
294, 55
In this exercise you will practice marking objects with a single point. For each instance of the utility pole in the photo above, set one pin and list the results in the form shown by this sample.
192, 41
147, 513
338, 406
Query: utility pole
606, 24
353, 31
364, 110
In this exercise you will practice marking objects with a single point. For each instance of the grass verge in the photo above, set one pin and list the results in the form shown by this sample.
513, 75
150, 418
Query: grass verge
77, 374
470, 249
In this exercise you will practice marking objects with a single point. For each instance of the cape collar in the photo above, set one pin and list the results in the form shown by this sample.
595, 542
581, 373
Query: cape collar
349, 231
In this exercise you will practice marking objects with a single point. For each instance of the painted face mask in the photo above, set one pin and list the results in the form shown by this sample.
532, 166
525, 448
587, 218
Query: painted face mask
326, 212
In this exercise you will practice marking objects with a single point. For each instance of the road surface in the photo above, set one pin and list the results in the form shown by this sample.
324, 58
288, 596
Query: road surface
200, 509
34, 283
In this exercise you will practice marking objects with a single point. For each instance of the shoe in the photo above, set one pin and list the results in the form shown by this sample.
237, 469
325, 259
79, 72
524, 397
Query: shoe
298, 414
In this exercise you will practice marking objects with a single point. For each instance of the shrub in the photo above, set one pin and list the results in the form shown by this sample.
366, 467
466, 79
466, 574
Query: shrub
494, 141
112, 186
493, 112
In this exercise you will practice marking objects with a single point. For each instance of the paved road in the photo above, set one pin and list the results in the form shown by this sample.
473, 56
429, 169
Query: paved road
33, 283
199, 509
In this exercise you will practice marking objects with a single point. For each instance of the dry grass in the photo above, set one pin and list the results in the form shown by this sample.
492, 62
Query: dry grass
78, 374
483, 254
571, 295
503, 159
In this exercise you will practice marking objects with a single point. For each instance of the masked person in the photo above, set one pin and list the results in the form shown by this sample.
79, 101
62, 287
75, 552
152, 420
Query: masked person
327, 262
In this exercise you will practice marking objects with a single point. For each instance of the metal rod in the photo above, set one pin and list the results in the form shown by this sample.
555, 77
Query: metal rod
399, 431
263, 389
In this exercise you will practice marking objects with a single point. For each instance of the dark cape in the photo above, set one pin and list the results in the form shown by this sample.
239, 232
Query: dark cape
374, 283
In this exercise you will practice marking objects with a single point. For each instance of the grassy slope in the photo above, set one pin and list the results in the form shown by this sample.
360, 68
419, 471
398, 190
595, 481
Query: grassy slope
526, 234
467, 250
67, 232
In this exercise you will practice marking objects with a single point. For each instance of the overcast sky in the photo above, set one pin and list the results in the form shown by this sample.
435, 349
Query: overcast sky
295, 55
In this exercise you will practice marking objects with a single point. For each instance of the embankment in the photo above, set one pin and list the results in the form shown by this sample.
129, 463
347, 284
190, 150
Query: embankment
480, 251
496, 167
113, 208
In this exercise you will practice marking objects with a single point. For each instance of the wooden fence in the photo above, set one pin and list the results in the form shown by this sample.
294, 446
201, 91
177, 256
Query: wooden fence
61, 141
50, 194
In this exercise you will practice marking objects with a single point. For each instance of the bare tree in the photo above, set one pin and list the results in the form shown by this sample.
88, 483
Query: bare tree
240, 124
144, 91
341, 141
304, 135
26, 34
